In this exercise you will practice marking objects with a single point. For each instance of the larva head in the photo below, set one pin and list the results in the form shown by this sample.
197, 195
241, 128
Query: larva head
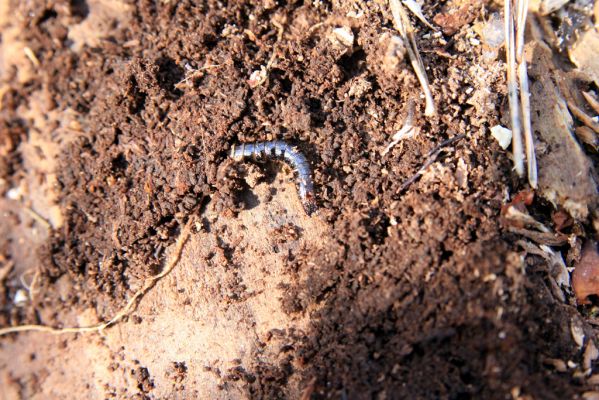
309, 204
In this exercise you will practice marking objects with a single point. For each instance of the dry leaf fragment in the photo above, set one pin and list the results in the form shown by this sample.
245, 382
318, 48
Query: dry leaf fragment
585, 278
584, 54
565, 172
562, 220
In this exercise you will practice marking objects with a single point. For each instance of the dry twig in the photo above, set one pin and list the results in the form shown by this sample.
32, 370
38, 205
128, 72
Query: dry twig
583, 116
592, 100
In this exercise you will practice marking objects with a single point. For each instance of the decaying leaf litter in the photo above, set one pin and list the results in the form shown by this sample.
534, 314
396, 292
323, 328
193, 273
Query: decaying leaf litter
343, 140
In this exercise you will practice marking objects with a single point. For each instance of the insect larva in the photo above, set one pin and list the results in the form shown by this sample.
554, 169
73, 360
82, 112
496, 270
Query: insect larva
278, 148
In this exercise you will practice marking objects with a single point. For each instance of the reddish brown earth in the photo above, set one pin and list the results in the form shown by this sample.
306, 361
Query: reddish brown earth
115, 134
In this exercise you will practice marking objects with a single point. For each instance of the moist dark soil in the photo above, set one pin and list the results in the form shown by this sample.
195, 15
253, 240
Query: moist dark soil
416, 294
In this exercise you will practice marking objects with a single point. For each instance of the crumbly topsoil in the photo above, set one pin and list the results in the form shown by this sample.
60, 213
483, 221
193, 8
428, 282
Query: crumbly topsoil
382, 294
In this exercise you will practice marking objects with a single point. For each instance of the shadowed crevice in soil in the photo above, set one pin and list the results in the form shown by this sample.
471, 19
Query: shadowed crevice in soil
477, 329
451, 336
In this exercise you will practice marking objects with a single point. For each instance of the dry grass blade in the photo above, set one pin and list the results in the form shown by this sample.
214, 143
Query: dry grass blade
417, 11
512, 88
531, 158
404, 26
517, 80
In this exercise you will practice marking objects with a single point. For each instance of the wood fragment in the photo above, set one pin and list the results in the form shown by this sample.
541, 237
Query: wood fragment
546, 238
592, 100
582, 116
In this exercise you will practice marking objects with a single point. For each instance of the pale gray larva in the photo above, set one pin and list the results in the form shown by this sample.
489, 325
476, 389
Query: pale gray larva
280, 149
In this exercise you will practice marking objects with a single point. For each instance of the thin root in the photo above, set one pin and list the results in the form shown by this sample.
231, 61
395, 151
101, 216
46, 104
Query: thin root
36, 216
129, 307
431, 157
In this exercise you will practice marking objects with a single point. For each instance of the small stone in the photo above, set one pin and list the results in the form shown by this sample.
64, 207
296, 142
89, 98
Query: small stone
502, 135
344, 36
21, 297
577, 333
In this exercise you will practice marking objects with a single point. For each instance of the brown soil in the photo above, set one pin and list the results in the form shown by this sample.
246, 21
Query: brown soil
120, 136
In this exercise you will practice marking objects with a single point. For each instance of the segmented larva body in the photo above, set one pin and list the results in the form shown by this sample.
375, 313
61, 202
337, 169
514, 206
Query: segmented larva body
287, 152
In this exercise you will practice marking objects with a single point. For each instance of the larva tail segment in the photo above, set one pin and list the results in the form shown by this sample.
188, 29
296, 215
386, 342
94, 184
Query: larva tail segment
309, 204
